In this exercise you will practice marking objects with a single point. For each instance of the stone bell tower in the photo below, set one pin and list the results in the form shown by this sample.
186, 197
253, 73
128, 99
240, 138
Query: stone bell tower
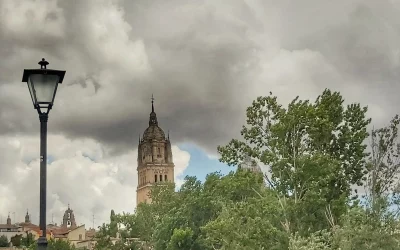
155, 163
69, 219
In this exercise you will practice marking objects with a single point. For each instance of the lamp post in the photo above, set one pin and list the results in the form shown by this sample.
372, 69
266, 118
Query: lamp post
42, 84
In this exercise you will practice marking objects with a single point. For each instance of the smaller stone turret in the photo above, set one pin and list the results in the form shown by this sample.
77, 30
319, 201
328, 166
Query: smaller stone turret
27, 217
8, 220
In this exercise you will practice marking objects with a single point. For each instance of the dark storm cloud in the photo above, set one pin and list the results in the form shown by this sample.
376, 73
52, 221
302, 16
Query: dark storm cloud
203, 61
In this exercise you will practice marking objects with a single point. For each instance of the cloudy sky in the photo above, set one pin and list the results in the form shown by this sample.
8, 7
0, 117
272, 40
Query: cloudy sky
205, 61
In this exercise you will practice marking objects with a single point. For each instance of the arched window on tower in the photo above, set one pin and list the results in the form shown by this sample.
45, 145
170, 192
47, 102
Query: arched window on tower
159, 153
155, 178
160, 177
165, 178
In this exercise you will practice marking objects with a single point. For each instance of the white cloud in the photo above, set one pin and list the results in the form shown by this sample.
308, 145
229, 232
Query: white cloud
181, 160
43, 17
81, 173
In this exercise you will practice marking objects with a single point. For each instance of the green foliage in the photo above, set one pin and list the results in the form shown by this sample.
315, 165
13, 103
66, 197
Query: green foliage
27, 240
103, 238
181, 239
250, 224
361, 231
55, 245
59, 245
315, 152
3, 241
274, 134
187, 218
113, 224
319, 240
16, 240
384, 164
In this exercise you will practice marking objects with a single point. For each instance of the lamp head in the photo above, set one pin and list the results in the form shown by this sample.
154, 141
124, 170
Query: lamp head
42, 84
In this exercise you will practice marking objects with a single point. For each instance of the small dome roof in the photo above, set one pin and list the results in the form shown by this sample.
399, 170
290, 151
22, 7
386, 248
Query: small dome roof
153, 132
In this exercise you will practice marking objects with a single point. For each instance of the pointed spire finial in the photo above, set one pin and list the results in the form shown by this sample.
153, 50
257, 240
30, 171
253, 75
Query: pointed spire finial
153, 116
152, 103
168, 134
43, 64
68, 205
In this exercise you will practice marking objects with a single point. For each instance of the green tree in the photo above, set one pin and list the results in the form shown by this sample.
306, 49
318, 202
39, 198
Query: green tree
3, 241
60, 245
314, 151
384, 166
320, 240
27, 240
253, 223
361, 231
103, 238
197, 205
326, 126
113, 224
16, 240
55, 245
181, 239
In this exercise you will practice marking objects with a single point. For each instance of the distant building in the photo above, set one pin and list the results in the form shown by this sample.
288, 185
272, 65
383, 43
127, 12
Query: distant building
73, 235
10, 230
29, 228
69, 219
69, 231
154, 162
250, 164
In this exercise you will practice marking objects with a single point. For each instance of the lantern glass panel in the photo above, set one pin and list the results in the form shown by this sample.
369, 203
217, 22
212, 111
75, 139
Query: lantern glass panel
44, 87
31, 91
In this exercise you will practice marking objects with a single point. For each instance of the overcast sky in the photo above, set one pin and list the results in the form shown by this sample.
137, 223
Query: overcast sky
204, 61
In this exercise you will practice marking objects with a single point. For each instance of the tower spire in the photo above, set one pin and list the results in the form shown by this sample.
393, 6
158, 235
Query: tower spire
152, 103
153, 116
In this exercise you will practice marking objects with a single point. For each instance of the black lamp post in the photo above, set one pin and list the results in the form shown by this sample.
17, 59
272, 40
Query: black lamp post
42, 84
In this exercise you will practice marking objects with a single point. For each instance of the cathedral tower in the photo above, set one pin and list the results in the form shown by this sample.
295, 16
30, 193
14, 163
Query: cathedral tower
154, 160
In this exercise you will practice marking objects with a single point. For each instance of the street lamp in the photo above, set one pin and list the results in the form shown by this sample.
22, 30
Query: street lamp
42, 84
